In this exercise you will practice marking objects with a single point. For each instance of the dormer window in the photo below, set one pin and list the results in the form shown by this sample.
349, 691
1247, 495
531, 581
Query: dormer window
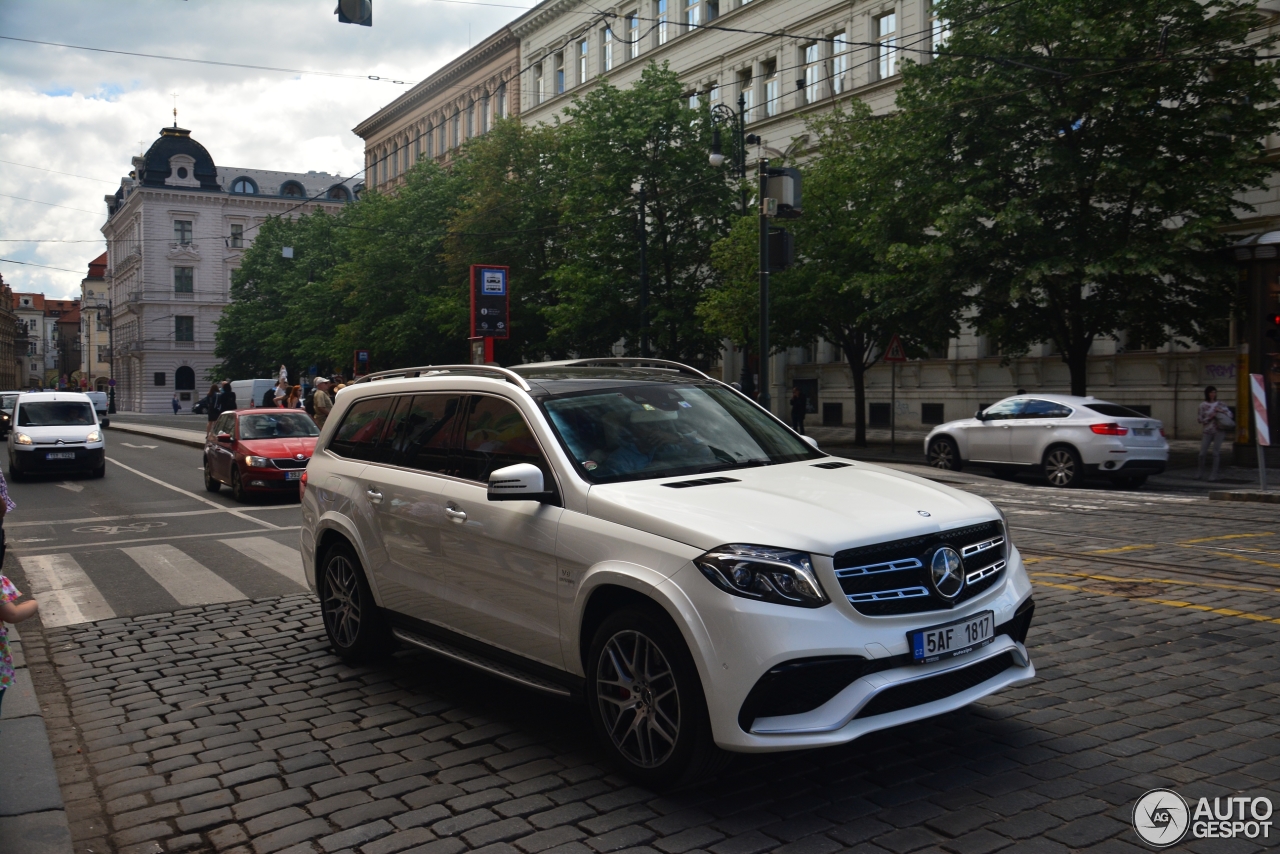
182, 172
244, 186
339, 193
292, 190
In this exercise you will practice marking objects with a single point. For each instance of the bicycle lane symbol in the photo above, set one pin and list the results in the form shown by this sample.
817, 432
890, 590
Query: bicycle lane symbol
134, 528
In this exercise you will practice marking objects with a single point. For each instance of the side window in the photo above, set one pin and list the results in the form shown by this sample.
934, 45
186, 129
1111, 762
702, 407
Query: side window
362, 426
1045, 409
497, 436
225, 423
425, 437
1004, 410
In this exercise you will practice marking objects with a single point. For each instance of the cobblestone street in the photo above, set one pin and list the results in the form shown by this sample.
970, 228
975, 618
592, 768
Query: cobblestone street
232, 728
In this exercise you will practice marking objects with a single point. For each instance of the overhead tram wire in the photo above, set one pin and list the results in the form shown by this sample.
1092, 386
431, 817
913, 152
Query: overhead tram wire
45, 266
50, 204
57, 172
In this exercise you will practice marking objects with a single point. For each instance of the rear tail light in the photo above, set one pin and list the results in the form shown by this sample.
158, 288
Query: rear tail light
302, 485
1163, 435
1109, 429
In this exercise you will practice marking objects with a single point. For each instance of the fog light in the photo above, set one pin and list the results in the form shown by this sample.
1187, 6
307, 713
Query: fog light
1108, 465
256, 483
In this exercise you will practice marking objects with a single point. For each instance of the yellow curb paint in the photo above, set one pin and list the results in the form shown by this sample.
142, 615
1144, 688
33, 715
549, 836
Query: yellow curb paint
1121, 549
1224, 537
1172, 603
1144, 580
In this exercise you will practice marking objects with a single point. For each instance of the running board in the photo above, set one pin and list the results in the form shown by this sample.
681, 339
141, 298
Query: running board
480, 662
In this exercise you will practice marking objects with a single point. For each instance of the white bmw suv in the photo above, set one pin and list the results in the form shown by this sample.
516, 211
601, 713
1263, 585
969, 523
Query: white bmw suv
649, 540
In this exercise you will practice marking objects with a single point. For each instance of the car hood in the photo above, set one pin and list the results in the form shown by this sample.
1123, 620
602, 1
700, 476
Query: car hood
794, 505
279, 448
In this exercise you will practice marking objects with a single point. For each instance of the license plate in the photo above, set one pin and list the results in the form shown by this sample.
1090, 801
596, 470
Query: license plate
60, 455
951, 639
1143, 431
293, 475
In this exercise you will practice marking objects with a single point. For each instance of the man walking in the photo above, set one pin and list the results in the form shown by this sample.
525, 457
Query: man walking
321, 400
226, 398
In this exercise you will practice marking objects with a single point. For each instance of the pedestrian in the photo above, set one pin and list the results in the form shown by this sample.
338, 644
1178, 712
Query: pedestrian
11, 611
294, 400
1215, 419
210, 405
177, 405
321, 401
799, 406
227, 398
280, 395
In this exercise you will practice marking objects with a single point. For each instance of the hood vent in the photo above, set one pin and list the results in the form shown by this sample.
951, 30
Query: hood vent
706, 481
832, 465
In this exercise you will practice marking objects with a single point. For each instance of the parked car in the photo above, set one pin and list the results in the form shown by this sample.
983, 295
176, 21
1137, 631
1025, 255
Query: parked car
55, 431
100, 406
1066, 438
258, 451
7, 400
655, 543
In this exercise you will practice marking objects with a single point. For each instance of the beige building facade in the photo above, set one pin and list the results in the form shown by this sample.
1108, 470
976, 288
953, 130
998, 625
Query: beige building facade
433, 119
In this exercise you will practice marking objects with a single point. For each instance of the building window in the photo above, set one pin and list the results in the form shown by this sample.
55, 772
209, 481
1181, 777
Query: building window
887, 45
237, 236
633, 36
339, 193
244, 186
430, 137
484, 114
582, 62
772, 91
713, 94
812, 73
158, 378
540, 83
748, 93
471, 120
292, 190
662, 21
455, 128
104, 354
692, 14
939, 28
839, 61
606, 50
182, 231
500, 108
184, 328
184, 280
932, 413
557, 85
713, 10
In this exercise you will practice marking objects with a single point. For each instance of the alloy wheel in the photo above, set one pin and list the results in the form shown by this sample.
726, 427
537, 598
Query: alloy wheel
1060, 467
342, 602
639, 700
942, 456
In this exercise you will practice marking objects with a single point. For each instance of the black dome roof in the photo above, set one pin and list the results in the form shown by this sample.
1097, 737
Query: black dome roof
176, 140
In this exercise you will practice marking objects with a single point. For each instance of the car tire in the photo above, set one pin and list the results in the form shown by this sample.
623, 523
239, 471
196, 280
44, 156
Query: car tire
99, 472
353, 622
237, 486
1062, 467
15, 474
211, 483
664, 694
944, 454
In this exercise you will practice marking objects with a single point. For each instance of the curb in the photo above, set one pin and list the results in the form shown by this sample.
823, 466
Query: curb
190, 438
1252, 497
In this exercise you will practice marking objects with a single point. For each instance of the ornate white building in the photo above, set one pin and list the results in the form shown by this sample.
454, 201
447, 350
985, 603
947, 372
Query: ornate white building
176, 229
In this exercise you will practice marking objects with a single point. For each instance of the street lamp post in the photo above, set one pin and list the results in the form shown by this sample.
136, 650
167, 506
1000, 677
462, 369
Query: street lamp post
111, 350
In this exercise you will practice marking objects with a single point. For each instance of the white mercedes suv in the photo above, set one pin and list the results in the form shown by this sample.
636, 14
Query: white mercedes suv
649, 540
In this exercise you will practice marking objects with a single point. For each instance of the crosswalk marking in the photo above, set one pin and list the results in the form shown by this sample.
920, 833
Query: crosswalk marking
186, 580
65, 593
283, 559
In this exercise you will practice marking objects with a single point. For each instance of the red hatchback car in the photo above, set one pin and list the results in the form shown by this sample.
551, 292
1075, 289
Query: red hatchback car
258, 450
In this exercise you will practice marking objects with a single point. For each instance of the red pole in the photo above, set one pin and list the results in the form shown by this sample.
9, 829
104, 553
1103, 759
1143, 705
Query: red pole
488, 350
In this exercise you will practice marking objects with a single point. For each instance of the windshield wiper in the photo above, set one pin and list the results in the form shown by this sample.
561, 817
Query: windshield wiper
738, 465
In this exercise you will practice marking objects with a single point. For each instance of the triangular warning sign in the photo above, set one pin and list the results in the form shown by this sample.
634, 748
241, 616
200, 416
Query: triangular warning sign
895, 353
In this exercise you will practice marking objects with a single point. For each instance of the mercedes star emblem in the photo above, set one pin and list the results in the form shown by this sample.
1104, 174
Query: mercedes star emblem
947, 573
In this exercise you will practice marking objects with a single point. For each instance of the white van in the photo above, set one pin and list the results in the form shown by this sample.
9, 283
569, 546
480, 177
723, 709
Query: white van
55, 431
99, 399
249, 392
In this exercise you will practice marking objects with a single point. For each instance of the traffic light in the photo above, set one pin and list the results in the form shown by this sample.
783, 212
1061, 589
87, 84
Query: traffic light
355, 12
1273, 327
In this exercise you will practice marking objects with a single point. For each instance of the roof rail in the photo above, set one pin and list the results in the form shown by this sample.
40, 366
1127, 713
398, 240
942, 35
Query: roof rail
428, 370
625, 362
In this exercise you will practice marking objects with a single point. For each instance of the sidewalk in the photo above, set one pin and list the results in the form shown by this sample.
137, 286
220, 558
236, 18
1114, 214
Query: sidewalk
33, 818
194, 438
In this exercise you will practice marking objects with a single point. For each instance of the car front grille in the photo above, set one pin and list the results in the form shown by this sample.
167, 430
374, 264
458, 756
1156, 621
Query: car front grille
894, 578
288, 463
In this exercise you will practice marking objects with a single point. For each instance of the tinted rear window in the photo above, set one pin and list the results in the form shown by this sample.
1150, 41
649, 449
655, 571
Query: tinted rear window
1114, 410
362, 426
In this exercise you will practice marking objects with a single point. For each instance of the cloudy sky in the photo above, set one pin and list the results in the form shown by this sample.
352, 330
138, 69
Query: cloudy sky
87, 113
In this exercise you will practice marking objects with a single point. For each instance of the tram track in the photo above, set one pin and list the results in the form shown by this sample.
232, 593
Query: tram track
1257, 582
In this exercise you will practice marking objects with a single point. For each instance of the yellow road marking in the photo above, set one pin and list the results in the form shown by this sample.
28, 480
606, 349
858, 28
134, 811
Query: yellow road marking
1224, 537
1250, 559
1123, 580
1122, 549
1172, 603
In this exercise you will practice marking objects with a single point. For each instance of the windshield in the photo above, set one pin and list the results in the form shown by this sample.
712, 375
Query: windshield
7, 401
287, 425
55, 413
665, 430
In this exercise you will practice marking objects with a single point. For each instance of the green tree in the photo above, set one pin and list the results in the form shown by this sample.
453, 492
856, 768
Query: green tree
1081, 158
731, 309
616, 142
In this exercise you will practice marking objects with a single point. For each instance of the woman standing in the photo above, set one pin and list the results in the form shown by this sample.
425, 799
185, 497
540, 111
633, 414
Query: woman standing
210, 404
295, 398
1215, 419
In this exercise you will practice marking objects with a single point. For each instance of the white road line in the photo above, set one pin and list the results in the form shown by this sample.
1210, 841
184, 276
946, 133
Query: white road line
187, 580
199, 498
64, 546
152, 447
65, 593
285, 560
74, 487
235, 510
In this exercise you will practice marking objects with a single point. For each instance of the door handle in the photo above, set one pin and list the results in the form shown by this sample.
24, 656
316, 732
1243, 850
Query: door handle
455, 513
374, 496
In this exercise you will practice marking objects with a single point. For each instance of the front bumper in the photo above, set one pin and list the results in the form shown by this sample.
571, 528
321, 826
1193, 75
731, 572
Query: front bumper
737, 642
268, 480
35, 458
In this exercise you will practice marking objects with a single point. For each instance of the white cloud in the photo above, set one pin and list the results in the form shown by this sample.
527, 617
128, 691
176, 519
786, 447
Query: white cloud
89, 113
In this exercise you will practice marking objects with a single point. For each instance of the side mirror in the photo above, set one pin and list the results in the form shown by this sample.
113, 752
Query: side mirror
224, 438
520, 482
978, 415
811, 441
105, 422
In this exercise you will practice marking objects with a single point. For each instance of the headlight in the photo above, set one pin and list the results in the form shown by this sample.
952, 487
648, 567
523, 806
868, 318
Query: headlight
94, 436
769, 574
256, 462
21, 439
